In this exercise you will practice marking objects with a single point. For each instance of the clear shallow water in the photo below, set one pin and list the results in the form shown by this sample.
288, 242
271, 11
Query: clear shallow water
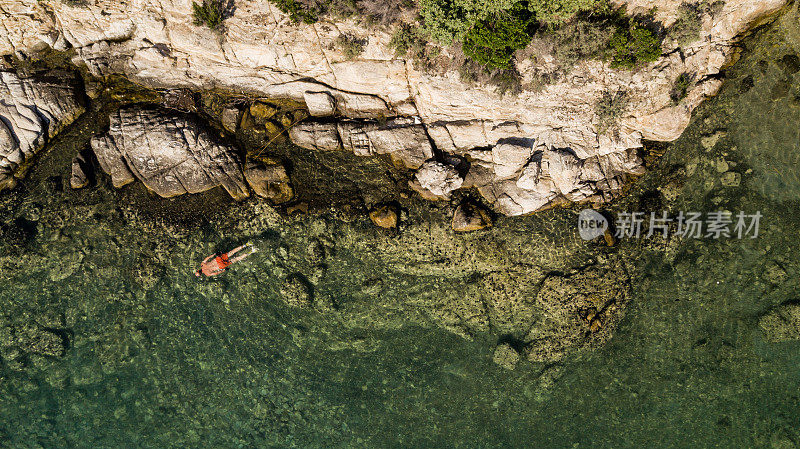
157, 359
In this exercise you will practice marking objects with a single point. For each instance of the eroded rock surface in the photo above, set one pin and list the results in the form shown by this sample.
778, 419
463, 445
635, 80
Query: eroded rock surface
269, 180
170, 153
31, 112
782, 323
263, 53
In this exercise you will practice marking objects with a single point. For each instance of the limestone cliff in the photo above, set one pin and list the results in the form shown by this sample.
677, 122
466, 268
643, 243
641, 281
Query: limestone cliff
525, 152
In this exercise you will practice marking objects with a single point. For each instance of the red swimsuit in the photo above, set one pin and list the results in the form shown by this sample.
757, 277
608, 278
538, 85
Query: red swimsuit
222, 261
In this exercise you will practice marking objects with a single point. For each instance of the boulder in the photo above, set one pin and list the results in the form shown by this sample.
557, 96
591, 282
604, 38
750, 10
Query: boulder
470, 217
320, 104
505, 356
315, 136
31, 112
510, 157
79, 177
269, 180
169, 152
297, 291
438, 178
563, 168
782, 323
230, 119
385, 216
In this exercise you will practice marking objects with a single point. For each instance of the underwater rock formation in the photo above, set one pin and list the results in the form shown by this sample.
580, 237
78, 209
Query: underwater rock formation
782, 323
31, 112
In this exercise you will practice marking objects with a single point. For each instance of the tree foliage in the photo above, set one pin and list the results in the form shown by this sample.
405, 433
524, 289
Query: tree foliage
634, 45
448, 21
554, 12
493, 42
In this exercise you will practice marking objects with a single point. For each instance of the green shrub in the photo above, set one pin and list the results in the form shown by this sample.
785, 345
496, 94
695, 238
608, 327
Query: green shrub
403, 39
686, 28
350, 45
297, 11
507, 80
210, 13
448, 21
493, 42
634, 45
554, 12
580, 40
610, 108
681, 88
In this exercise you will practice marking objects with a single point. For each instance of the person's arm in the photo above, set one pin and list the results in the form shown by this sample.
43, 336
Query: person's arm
208, 258
240, 257
235, 250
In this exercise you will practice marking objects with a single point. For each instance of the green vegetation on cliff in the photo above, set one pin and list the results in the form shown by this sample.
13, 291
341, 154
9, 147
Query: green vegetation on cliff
485, 37
210, 13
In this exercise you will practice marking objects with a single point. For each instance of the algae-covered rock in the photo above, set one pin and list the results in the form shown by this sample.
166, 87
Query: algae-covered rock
576, 310
505, 356
782, 323
385, 216
296, 291
262, 111
470, 217
269, 180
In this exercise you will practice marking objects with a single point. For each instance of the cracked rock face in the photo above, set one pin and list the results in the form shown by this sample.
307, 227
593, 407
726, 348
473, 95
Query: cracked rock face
171, 154
264, 54
31, 112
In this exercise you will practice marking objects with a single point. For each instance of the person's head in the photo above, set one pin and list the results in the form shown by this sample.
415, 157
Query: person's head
197, 273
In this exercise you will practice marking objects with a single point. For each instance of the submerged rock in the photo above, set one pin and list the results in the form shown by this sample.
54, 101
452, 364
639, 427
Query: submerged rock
79, 177
576, 310
505, 356
269, 180
19, 337
470, 217
170, 153
385, 216
31, 112
782, 323
297, 291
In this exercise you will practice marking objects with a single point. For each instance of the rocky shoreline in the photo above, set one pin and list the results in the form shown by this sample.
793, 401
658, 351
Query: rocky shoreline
544, 293
523, 153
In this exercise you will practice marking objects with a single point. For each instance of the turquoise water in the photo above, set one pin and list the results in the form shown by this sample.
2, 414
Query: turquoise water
155, 358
